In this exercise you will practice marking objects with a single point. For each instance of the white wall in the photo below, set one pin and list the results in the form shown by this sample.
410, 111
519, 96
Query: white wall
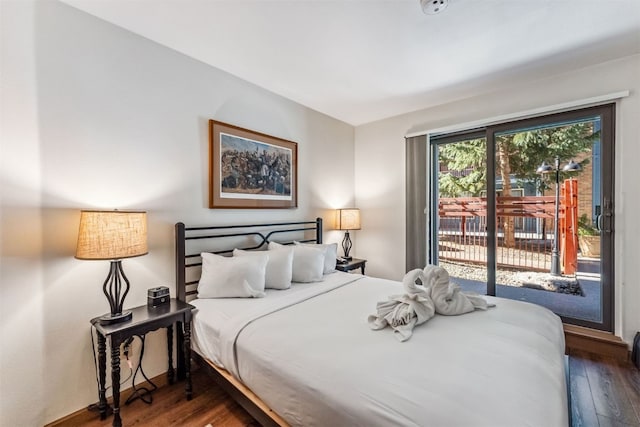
380, 169
96, 117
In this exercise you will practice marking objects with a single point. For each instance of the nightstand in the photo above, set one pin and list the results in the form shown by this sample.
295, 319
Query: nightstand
352, 265
145, 319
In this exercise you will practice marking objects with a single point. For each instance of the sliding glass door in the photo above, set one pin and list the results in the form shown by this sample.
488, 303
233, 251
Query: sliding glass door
460, 237
524, 210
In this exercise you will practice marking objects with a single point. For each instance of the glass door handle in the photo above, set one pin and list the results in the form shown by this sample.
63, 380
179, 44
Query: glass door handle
607, 212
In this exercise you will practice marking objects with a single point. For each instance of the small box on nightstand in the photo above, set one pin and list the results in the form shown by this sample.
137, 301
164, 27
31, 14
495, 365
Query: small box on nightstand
158, 296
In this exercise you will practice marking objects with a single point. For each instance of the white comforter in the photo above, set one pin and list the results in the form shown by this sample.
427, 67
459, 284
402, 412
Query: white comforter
315, 361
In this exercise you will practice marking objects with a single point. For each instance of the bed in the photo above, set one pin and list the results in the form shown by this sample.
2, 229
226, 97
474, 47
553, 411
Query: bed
306, 356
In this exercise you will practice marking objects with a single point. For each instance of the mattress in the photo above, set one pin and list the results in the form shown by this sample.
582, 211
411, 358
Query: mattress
310, 355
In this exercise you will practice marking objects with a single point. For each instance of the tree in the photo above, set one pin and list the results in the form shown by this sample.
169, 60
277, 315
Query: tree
466, 169
463, 170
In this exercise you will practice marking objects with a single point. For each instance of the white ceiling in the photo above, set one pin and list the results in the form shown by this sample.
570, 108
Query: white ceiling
364, 60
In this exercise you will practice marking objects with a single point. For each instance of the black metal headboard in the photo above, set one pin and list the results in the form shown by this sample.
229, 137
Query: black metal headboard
311, 231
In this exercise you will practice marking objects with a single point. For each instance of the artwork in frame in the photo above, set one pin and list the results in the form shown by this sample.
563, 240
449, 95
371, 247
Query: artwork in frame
251, 170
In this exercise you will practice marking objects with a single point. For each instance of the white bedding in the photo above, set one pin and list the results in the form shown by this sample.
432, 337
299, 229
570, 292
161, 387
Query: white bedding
317, 362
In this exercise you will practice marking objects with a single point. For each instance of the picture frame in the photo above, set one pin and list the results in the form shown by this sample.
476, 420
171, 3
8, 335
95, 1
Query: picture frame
251, 170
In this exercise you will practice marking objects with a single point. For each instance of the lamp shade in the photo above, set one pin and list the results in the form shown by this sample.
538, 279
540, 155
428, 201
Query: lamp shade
111, 235
545, 168
572, 166
348, 219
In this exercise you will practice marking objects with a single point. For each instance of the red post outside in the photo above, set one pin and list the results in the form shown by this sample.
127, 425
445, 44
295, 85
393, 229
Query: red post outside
569, 226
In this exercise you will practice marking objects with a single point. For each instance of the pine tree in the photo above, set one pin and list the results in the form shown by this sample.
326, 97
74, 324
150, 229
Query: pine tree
463, 169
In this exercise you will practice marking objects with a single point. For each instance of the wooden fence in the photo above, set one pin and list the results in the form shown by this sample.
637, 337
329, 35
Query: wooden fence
463, 237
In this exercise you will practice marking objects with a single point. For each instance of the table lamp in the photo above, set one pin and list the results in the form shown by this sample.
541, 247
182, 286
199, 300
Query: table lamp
113, 235
347, 219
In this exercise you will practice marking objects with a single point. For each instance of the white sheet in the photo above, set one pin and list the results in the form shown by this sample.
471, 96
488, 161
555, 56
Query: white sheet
213, 315
317, 363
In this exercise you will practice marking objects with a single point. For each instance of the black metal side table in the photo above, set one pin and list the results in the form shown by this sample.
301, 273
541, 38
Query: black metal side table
352, 265
145, 319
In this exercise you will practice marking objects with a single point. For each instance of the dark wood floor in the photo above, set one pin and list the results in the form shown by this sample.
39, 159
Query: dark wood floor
209, 405
604, 393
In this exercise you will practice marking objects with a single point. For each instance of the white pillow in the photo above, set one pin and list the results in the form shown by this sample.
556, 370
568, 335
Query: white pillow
279, 266
330, 254
308, 262
226, 277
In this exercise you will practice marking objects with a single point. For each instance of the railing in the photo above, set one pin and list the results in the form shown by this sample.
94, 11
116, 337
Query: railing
532, 251
463, 237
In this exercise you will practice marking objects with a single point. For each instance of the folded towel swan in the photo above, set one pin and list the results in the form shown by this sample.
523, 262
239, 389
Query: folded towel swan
421, 303
403, 312
447, 297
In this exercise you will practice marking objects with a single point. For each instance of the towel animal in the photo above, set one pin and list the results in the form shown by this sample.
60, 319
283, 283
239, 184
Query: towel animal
447, 297
420, 303
403, 312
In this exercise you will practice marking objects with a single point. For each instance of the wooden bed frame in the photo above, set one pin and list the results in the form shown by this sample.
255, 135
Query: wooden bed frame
310, 231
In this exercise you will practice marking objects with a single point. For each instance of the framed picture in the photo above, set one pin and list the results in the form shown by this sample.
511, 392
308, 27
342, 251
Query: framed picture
251, 170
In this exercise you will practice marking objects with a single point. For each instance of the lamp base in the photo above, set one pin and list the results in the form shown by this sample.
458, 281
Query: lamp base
346, 246
110, 319
113, 290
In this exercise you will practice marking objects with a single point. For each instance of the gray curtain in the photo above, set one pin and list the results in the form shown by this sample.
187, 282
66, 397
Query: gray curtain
416, 202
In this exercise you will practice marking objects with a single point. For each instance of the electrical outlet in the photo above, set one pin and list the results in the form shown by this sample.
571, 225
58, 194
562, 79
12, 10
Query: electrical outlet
126, 347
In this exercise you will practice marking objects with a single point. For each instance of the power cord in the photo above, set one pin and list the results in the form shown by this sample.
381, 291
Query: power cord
142, 393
